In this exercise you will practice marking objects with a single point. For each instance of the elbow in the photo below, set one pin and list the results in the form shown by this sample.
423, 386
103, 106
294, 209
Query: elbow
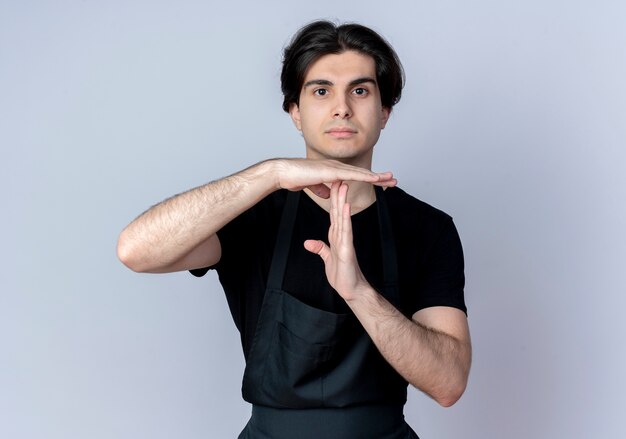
446, 395
457, 382
449, 393
128, 254
451, 396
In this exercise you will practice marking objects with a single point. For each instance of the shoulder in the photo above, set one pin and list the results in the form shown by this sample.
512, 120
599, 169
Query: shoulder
418, 222
431, 253
267, 208
261, 218
275, 200
251, 231
405, 206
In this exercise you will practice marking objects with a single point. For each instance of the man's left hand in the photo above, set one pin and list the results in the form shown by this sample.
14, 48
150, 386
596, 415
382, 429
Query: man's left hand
342, 268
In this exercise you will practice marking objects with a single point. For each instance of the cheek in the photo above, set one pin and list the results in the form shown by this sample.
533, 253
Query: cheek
310, 119
308, 128
375, 119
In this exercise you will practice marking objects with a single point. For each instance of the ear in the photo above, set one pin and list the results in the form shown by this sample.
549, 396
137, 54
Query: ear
385, 113
294, 112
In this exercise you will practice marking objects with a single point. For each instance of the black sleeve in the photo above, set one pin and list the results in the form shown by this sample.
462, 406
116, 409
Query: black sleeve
443, 276
231, 237
247, 235
199, 272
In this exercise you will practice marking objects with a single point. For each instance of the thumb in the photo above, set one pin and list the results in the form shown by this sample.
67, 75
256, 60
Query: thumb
317, 247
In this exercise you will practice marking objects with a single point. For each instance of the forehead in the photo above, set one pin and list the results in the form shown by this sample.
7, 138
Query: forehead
342, 67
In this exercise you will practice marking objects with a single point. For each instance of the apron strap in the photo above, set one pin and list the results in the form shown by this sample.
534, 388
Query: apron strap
283, 241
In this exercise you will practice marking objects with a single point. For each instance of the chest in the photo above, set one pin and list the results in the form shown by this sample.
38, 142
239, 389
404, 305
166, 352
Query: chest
305, 277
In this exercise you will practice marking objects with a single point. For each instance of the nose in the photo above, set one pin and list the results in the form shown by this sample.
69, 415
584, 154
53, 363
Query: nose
342, 109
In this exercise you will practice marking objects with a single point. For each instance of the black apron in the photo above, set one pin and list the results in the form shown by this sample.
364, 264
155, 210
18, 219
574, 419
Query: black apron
316, 374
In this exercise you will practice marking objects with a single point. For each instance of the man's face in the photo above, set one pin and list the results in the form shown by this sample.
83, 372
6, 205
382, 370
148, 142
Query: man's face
340, 112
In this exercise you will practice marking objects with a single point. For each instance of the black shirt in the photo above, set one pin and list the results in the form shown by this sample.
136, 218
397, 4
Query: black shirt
430, 257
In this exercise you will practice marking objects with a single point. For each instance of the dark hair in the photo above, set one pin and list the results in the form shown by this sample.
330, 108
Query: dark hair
324, 38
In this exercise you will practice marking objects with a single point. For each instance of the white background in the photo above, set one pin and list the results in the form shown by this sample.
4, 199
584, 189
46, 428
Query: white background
512, 120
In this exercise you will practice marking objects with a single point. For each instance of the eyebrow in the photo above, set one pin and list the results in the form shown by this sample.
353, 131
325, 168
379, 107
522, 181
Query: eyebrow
358, 81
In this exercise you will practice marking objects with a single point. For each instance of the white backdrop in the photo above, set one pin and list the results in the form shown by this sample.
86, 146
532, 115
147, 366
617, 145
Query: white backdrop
512, 120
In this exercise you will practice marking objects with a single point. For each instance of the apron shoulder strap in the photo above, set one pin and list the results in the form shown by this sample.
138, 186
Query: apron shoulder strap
283, 241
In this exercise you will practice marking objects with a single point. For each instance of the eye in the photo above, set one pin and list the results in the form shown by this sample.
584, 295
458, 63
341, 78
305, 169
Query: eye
360, 91
320, 92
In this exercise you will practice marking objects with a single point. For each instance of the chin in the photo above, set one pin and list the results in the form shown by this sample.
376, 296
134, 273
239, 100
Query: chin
342, 150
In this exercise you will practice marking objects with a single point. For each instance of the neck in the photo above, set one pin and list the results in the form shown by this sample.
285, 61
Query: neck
360, 196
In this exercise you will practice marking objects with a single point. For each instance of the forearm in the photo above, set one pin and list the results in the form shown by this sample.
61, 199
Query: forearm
173, 228
432, 360
435, 362
179, 232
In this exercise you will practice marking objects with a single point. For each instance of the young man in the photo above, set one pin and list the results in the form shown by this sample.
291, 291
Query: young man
344, 288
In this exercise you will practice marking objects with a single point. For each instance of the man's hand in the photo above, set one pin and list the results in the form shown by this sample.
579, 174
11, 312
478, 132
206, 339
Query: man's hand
297, 174
342, 268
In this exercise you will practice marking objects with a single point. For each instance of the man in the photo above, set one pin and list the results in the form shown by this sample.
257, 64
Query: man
343, 292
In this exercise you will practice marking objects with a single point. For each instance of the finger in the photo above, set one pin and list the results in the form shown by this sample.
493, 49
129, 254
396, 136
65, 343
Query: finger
386, 183
383, 176
334, 189
318, 247
341, 202
347, 223
362, 174
335, 170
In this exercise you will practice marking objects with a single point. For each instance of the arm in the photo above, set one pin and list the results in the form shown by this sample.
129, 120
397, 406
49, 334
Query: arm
435, 358
179, 233
432, 351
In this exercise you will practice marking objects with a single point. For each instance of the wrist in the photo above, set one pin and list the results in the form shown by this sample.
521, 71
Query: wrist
273, 169
263, 175
362, 295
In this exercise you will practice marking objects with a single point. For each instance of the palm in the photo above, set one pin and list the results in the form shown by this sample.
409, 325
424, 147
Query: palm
341, 265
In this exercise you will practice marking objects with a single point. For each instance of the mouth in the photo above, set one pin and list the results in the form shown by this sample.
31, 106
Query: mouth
341, 132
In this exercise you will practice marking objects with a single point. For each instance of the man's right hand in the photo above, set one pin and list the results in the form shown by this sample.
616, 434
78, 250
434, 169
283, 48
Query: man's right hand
318, 175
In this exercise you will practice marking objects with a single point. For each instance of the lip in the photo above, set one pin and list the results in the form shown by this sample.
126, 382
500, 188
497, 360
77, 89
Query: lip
341, 132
